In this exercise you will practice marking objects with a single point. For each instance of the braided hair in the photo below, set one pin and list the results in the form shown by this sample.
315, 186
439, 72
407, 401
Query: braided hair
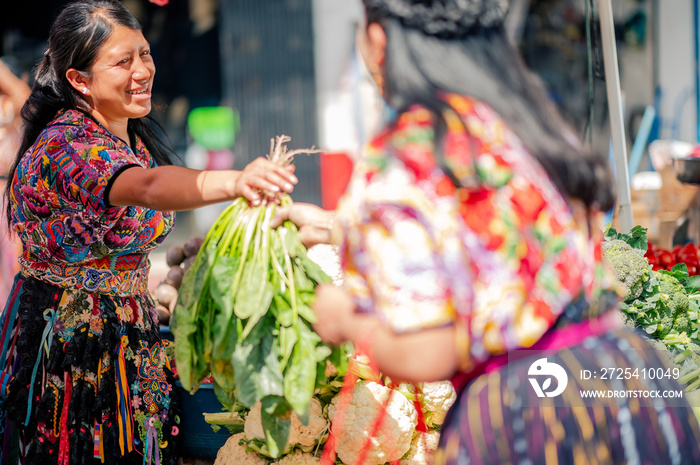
447, 19
460, 46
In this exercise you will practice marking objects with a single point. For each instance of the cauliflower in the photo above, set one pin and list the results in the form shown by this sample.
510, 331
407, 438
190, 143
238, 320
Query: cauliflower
436, 400
326, 256
393, 437
422, 448
629, 264
232, 453
305, 436
299, 458
330, 370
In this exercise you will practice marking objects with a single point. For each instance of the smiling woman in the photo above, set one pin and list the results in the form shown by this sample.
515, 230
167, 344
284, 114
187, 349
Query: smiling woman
84, 374
118, 88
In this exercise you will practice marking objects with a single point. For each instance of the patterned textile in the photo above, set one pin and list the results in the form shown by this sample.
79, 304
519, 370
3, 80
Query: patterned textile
500, 258
91, 378
503, 257
10, 249
498, 419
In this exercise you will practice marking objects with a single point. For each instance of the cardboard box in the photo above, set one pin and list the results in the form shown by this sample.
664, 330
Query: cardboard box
660, 210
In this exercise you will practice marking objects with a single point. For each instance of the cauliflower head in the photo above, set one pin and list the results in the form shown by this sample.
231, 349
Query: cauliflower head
299, 458
393, 437
299, 434
437, 398
629, 264
422, 448
233, 453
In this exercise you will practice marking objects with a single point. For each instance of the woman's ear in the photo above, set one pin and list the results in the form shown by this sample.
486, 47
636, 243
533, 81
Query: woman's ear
77, 80
377, 43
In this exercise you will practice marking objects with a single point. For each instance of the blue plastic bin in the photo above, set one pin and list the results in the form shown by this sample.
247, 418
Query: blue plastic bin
197, 438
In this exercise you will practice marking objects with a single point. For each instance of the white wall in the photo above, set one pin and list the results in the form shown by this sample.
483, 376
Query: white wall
676, 63
334, 33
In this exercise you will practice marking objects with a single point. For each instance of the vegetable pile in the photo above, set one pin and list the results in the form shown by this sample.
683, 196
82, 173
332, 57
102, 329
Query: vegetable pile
379, 424
660, 258
179, 258
243, 315
664, 303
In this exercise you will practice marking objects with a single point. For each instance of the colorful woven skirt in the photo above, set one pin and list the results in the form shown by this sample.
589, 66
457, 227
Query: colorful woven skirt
499, 418
85, 378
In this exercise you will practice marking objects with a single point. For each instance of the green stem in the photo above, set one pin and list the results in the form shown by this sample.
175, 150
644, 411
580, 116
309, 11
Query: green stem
290, 277
689, 376
682, 356
692, 386
250, 229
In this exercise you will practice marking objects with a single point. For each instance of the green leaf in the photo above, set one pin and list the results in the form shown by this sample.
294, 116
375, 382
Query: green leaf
202, 267
220, 366
285, 315
339, 357
225, 396
287, 339
291, 239
680, 269
205, 322
276, 421
301, 282
692, 284
305, 311
256, 293
262, 310
610, 233
224, 270
322, 353
183, 352
313, 271
256, 369
300, 374
637, 237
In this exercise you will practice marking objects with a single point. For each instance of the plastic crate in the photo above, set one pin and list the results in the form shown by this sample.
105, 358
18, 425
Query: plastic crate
197, 438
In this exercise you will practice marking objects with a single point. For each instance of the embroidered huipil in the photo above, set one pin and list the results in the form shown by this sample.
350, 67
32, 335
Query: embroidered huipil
84, 270
498, 258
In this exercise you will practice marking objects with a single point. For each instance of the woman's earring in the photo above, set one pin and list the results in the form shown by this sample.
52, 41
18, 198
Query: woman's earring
84, 90
378, 78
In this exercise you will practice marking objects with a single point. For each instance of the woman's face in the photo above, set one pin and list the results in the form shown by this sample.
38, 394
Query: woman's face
120, 81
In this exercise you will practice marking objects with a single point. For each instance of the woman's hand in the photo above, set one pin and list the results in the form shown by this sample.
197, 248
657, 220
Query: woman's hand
263, 175
314, 222
13, 87
334, 308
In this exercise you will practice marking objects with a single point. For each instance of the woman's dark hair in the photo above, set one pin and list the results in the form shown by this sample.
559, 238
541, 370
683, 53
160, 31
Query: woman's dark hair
75, 39
433, 47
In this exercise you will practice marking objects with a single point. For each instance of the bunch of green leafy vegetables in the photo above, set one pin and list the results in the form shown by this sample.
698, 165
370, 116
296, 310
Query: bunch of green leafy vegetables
244, 316
668, 307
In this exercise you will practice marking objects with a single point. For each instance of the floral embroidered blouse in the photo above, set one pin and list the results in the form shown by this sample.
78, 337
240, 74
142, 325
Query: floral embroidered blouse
71, 235
499, 259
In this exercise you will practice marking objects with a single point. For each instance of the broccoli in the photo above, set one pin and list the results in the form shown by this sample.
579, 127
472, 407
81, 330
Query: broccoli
675, 304
629, 264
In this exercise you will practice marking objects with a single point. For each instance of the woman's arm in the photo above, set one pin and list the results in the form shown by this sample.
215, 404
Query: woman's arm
177, 188
425, 355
